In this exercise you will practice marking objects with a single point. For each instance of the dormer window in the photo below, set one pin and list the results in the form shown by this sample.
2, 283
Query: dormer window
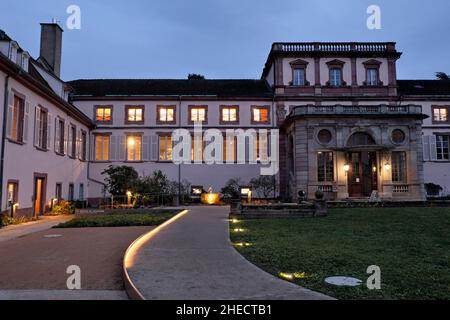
299, 72
24, 61
336, 68
12, 54
372, 73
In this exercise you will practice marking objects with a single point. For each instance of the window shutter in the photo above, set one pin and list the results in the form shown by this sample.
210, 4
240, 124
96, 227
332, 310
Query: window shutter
154, 147
433, 149
113, 148
49, 130
92, 148
57, 135
26, 117
9, 119
37, 125
146, 148
426, 148
122, 148
69, 140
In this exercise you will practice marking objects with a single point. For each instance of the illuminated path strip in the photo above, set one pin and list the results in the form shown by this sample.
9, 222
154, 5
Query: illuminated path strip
191, 257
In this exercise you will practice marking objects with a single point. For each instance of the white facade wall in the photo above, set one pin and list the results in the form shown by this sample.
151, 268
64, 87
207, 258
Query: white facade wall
22, 161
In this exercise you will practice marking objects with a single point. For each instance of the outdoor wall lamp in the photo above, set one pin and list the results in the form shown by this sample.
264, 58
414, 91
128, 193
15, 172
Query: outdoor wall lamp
346, 168
387, 166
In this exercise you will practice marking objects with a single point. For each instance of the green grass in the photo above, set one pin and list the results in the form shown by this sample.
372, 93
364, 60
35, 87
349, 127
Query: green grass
410, 245
119, 219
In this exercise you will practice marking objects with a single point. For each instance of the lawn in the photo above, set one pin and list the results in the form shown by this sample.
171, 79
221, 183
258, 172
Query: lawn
120, 219
410, 245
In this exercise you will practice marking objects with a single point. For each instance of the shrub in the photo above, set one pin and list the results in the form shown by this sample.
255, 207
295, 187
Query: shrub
265, 186
63, 207
433, 189
232, 189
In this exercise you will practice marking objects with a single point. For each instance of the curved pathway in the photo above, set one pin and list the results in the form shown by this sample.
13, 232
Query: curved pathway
192, 258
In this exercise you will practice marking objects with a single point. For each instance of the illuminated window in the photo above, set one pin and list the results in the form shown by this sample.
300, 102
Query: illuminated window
260, 114
229, 114
103, 114
197, 114
229, 149
197, 149
325, 167
166, 114
440, 114
134, 147
165, 148
262, 148
134, 114
102, 148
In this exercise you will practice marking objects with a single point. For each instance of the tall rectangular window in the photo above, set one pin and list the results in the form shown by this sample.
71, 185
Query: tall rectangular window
102, 148
134, 148
372, 77
72, 148
58, 192
60, 132
440, 114
166, 115
325, 167
83, 146
198, 114
197, 149
103, 114
134, 114
442, 147
41, 127
260, 114
229, 114
229, 148
336, 77
299, 77
399, 166
17, 119
71, 195
165, 148
81, 192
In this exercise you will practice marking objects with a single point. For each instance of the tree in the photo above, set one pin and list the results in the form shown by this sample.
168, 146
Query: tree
157, 183
442, 76
195, 76
232, 189
264, 185
121, 179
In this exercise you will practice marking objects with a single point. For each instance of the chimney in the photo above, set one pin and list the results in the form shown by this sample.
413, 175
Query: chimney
51, 45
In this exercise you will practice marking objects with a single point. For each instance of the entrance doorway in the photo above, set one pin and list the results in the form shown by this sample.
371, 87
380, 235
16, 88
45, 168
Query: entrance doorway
40, 186
362, 174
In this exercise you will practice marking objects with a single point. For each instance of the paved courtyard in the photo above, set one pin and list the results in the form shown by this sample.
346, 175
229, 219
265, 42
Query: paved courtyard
192, 258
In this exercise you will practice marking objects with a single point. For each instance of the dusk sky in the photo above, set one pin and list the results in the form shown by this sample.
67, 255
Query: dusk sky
223, 38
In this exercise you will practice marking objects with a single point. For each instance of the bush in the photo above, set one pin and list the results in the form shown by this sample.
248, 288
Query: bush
63, 207
232, 189
6, 220
433, 189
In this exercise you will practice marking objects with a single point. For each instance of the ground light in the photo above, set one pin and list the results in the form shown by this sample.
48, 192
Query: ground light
243, 244
234, 221
292, 276
238, 230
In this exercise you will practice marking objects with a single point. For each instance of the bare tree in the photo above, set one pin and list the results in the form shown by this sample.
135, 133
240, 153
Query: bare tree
442, 76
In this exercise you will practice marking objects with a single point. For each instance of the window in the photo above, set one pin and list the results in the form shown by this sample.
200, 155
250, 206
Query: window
260, 115
83, 146
16, 119
197, 149
398, 136
41, 132
103, 114
60, 132
165, 148
262, 148
81, 192
299, 77
440, 114
442, 147
134, 114
166, 115
324, 136
229, 149
399, 166
229, 114
102, 148
58, 192
198, 114
70, 195
134, 148
372, 76
72, 148
325, 167
336, 77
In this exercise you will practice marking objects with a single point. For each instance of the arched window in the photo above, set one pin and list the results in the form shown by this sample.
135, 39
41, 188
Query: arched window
360, 139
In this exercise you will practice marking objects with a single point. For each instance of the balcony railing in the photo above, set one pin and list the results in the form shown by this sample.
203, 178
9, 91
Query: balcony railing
334, 47
357, 110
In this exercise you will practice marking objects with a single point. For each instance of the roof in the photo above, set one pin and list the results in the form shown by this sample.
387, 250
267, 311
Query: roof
424, 87
171, 87
4, 36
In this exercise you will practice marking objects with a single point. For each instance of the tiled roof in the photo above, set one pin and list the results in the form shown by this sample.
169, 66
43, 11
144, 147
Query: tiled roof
424, 87
167, 87
4, 36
